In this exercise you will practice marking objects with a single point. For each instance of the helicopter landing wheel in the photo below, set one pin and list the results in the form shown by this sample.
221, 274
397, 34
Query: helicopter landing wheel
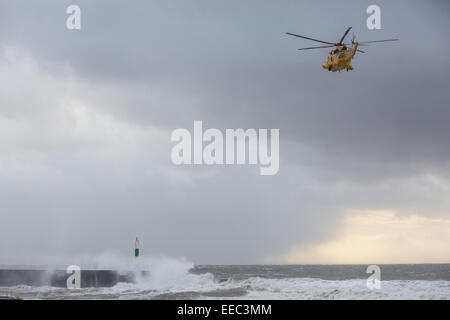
329, 68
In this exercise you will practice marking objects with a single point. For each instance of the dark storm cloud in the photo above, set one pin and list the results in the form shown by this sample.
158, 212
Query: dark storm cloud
164, 64
236, 58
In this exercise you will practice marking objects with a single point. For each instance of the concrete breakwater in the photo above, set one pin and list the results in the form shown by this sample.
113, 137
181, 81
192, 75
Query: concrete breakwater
58, 278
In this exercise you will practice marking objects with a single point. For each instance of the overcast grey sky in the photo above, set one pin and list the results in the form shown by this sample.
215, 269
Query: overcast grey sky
86, 118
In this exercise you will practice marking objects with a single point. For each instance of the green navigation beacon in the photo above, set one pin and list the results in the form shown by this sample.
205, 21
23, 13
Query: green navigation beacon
136, 248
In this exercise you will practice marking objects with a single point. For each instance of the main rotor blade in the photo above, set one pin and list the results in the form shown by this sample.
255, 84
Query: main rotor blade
299, 36
316, 47
359, 43
363, 42
360, 51
345, 34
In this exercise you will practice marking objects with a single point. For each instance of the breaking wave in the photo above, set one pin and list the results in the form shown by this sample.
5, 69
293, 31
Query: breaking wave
173, 279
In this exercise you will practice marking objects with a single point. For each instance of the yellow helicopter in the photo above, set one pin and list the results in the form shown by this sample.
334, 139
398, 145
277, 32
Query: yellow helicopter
340, 58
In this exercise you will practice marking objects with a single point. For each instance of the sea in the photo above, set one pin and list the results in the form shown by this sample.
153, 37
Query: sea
173, 279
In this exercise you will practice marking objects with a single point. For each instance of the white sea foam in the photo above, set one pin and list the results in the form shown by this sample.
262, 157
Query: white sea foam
170, 277
205, 287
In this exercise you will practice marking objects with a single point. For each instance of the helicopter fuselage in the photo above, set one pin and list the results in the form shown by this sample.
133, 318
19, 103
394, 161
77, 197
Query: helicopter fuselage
340, 58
